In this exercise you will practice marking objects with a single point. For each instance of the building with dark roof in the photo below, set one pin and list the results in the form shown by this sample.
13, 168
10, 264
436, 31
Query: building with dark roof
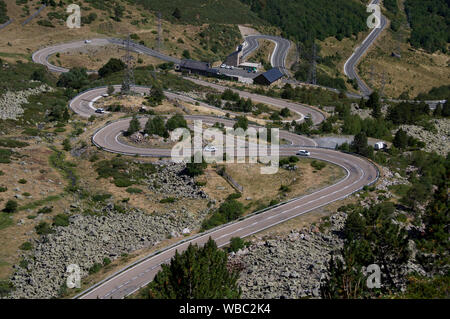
273, 76
235, 58
197, 67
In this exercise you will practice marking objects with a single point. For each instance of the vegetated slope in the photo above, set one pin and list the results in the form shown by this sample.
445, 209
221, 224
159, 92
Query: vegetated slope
199, 12
430, 23
304, 19
3, 12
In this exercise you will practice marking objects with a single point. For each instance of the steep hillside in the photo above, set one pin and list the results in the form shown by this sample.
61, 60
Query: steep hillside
302, 20
206, 11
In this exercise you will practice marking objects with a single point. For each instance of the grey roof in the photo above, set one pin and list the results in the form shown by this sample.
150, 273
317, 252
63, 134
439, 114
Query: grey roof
192, 64
197, 65
273, 75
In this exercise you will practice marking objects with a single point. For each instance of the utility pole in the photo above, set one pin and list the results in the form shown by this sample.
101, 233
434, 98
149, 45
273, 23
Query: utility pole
128, 78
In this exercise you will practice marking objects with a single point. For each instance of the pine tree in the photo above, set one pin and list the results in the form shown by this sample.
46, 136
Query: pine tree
400, 139
134, 126
197, 273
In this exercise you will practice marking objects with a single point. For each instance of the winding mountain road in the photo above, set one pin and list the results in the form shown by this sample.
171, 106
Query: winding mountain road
359, 172
350, 64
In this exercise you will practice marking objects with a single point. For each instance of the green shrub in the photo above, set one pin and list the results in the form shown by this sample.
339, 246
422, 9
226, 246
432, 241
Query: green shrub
43, 228
167, 200
3, 189
122, 182
95, 268
22, 181
26, 246
45, 210
133, 190
101, 197
106, 261
234, 196
318, 165
284, 188
61, 220
236, 243
10, 206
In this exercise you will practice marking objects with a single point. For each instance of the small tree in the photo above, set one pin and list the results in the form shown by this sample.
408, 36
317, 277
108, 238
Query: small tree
359, 145
241, 122
177, 14
110, 89
11, 206
134, 126
400, 139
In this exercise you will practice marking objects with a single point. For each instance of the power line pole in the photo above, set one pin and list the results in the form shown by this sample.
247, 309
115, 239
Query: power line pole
128, 78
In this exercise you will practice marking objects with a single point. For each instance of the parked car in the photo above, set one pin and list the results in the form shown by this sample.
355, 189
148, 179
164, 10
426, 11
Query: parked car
100, 110
223, 66
228, 67
210, 148
303, 153
87, 41
105, 94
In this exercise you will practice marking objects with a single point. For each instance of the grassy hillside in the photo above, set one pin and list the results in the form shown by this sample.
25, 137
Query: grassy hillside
205, 11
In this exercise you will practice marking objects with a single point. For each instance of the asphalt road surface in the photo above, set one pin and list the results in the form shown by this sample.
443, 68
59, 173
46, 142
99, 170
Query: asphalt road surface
279, 54
350, 64
359, 172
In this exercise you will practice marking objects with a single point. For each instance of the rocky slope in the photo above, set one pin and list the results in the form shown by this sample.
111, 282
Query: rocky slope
288, 266
88, 240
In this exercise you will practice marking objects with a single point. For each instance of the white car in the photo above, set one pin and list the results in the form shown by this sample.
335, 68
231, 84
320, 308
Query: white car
232, 67
210, 148
223, 66
87, 41
303, 153
100, 110
105, 94
228, 67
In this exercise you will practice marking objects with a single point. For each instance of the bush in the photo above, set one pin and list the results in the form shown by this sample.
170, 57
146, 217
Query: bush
133, 190
3, 189
45, 210
318, 165
236, 243
122, 182
22, 181
26, 246
61, 220
112, 66
95, 268
11, 206
101, 197
284, 188
43, 228
167, 200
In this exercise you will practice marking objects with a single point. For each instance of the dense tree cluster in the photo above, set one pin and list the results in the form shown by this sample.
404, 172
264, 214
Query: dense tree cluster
196, 273
407, 113
371, 237
76, 78
319, 19
228, 211
112, 66
3, 12
430, 22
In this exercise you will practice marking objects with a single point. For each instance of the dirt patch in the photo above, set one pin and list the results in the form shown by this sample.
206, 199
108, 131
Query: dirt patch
94, 57
260, 190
